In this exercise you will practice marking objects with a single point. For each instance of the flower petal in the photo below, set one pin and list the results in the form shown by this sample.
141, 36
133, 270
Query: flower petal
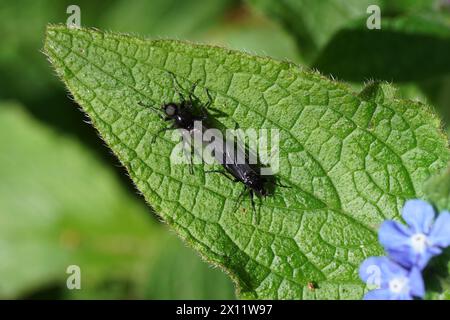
396, 240
416, 285
419, 215
403, 255
370, 271
440, 233
393, 234
403, 296
407, 257
379, 294
376, 272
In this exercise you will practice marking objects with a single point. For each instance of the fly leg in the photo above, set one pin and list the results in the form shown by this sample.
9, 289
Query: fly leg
239, 199
256, 213
178, 89
192, 98
210, 100
208, 106
156, 110
204, 108
279, 184
160, 131
222, 173
189, 154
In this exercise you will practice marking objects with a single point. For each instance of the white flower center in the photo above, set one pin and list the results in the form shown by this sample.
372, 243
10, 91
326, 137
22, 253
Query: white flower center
398, 285
419, 242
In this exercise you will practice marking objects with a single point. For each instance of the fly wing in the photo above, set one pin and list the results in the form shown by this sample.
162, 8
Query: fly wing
209, 146
229, 152
237, 157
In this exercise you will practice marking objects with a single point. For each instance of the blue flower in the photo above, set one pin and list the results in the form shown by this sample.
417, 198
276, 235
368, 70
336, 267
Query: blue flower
390, 281
416, 244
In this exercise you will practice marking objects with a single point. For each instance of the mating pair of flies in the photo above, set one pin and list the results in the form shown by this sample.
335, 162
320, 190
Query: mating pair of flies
185, 113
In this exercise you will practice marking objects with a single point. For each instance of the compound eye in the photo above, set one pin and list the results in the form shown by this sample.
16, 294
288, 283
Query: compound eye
170, 109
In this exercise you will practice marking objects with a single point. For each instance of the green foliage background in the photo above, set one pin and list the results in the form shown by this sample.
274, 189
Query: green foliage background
64, 199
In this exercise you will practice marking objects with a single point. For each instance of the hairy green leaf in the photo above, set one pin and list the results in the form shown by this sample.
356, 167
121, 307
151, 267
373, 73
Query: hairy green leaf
350, 161
437, 91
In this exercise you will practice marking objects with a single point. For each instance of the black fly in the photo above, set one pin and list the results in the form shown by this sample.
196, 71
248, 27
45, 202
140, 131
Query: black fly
184, 115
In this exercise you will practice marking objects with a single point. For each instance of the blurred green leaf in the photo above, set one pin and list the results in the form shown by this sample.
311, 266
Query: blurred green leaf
407, 48
313, 22
187, 19
437, 273
249, 31
437, 91
351, 161
178, 273
59, 206
413, 44
173, 272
